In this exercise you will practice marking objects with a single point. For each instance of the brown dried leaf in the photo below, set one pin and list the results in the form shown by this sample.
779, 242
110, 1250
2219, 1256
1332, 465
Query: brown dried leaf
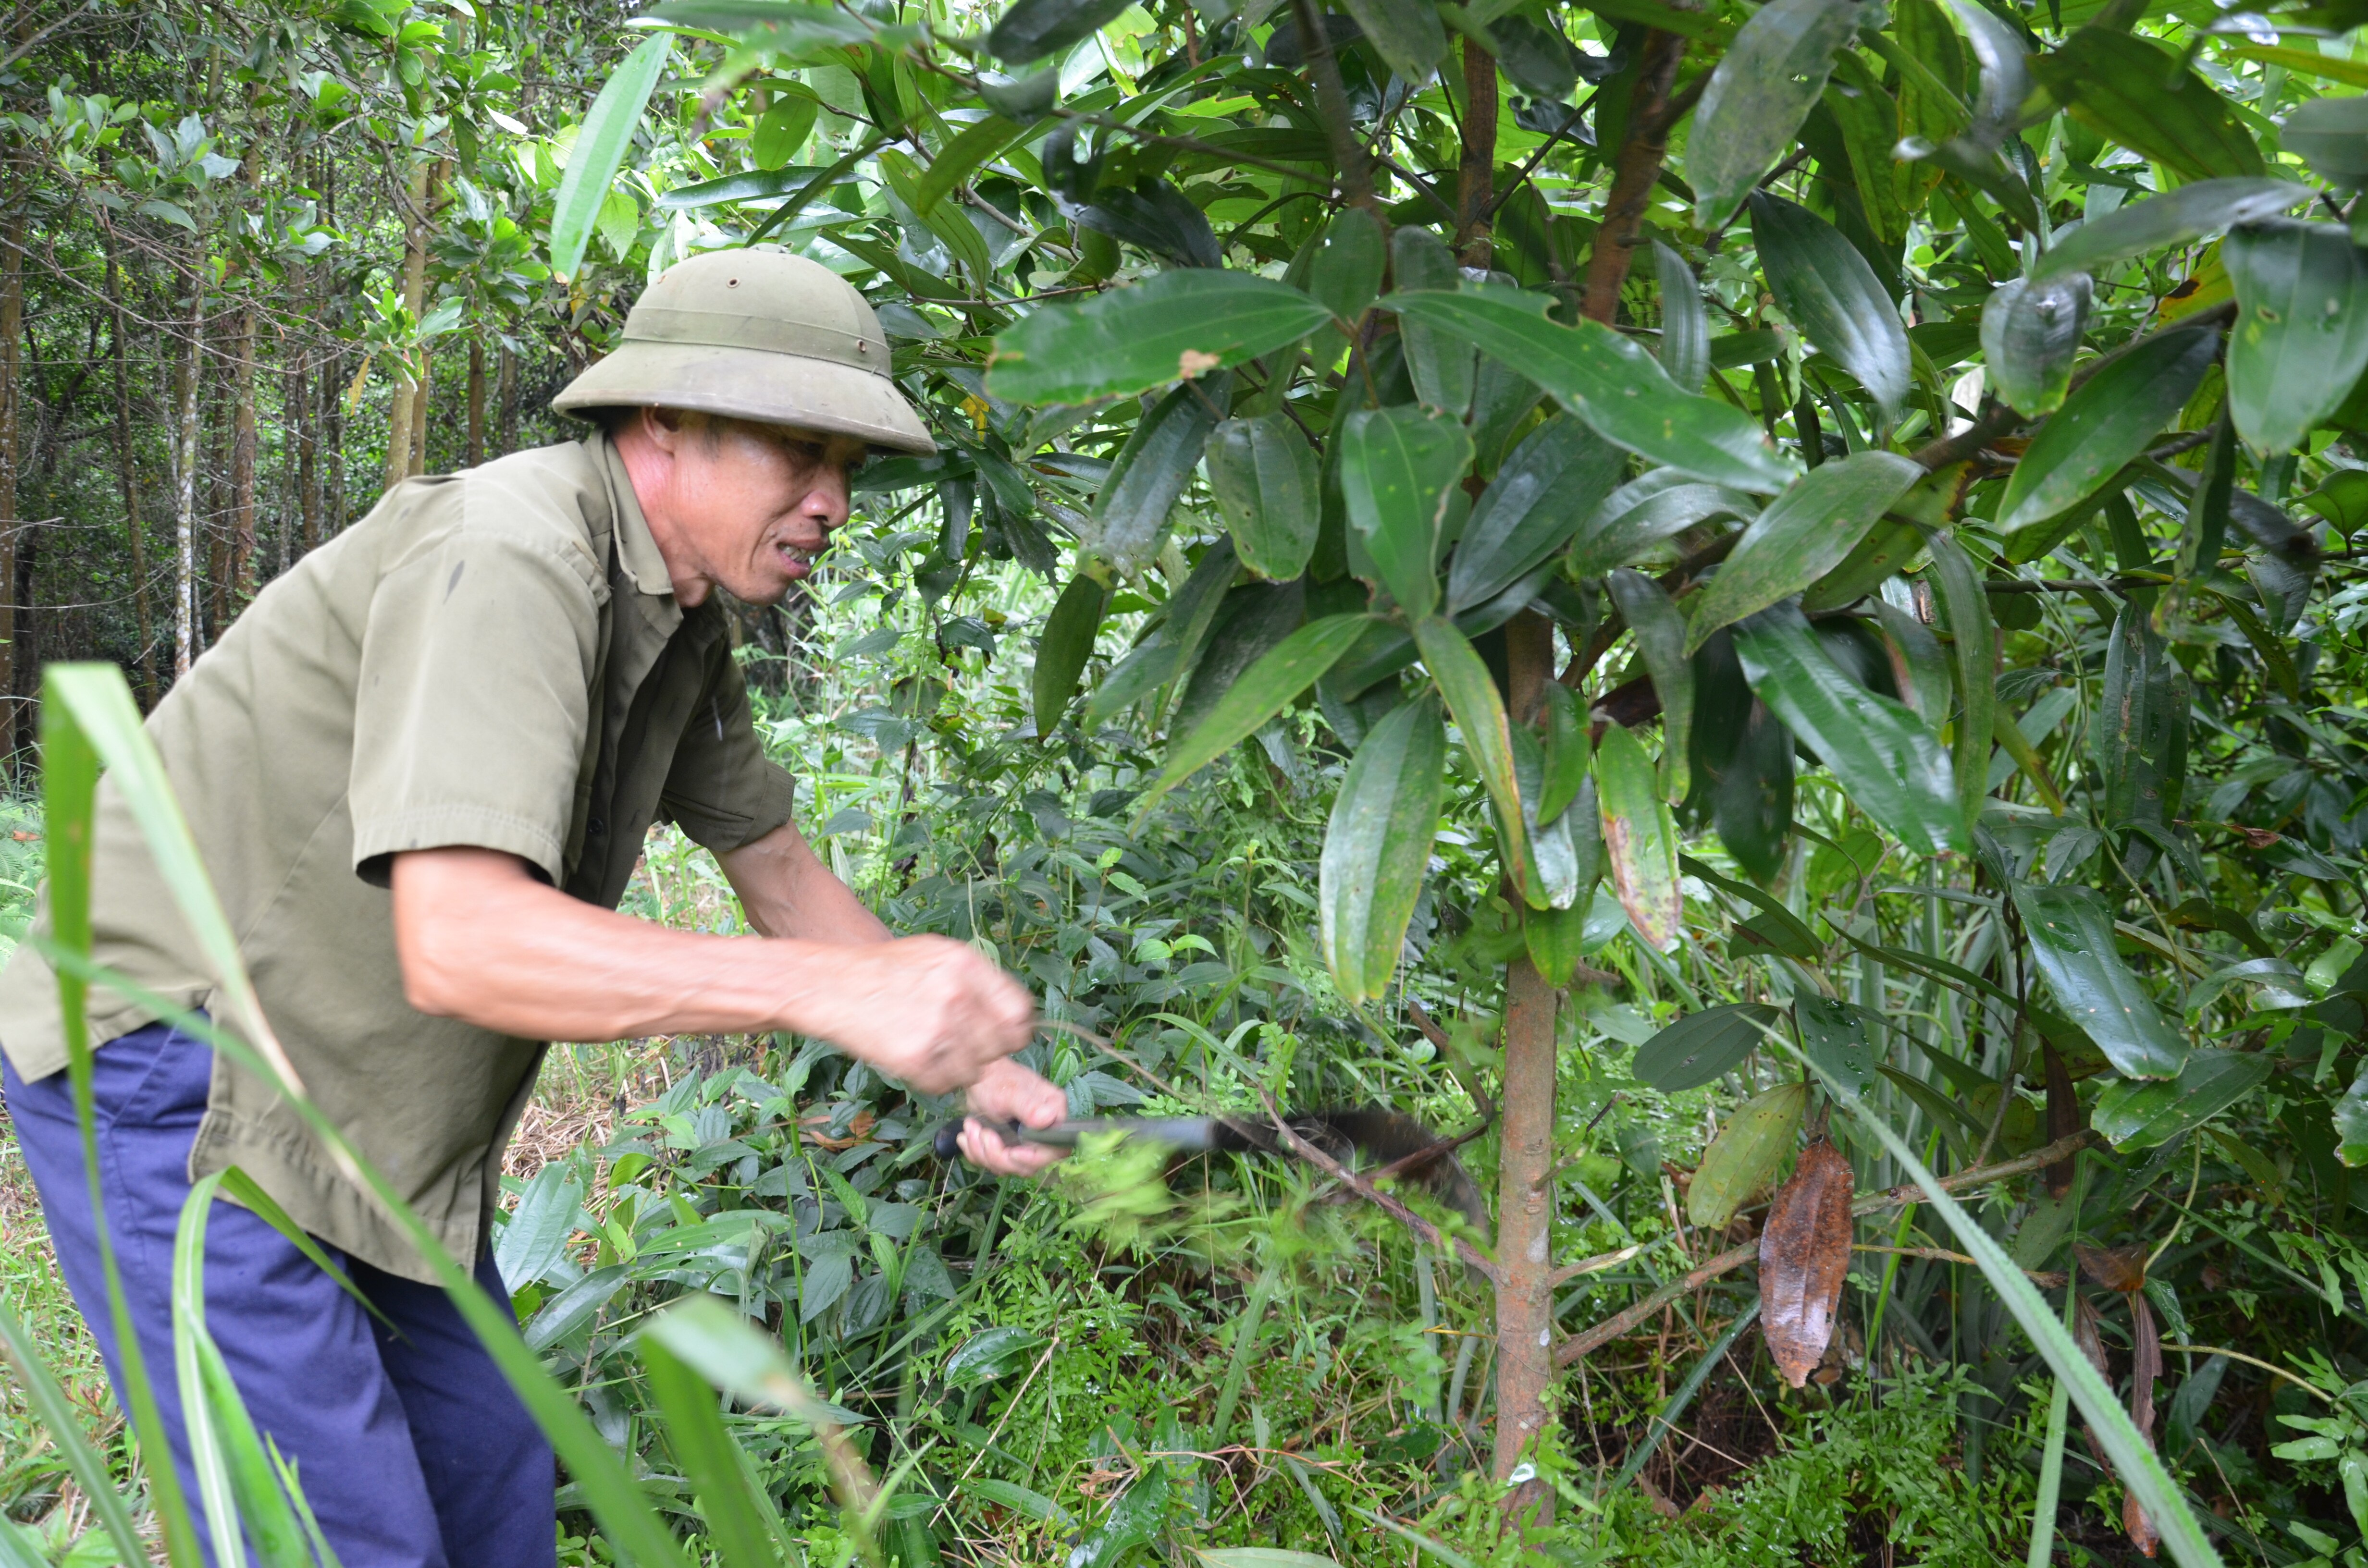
2145, 1366
2122, 1269
2085, 1335
815, 1125
2139, 1528
1803, 1255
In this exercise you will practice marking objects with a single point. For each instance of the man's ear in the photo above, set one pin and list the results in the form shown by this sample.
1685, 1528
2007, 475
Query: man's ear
663, 427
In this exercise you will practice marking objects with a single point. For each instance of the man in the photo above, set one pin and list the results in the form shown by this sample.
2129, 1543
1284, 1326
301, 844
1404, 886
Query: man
420, 768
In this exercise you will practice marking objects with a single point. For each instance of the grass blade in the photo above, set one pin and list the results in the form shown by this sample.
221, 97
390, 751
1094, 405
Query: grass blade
84, 1462
710, 1459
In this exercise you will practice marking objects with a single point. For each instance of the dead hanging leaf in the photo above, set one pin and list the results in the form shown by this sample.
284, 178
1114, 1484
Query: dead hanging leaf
2146, 1367
2121, 1269
2063, 1117
1804, 1257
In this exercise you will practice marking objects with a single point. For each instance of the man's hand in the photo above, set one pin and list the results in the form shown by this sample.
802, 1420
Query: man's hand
1007, 1091
929, 1011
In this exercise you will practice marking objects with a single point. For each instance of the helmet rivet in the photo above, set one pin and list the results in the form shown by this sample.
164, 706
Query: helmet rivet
862, 347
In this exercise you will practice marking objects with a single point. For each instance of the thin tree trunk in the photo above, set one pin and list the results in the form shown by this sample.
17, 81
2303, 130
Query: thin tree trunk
308, 475
1475, 173
476, 453
1635, 169
1525, 1160
332, 446
240, 586
12, 332
419, 400
217, 600
509, 401
400, 421
135, 531
184, 484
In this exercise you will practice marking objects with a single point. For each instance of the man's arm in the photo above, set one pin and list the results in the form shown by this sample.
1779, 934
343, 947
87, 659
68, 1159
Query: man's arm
481, 939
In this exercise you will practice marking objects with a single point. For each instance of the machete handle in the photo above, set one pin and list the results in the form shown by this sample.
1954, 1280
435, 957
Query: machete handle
949, 1150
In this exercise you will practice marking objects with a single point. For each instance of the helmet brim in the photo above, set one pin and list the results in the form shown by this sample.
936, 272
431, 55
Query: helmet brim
751, 383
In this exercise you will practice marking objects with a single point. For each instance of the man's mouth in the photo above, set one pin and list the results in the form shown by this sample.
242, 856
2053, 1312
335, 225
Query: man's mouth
797, 559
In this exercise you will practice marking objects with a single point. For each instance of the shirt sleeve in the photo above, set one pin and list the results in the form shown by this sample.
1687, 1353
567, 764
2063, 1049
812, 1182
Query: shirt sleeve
474, 700
723, 791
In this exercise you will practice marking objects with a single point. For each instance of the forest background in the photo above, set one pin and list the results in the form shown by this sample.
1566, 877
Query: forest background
1749, 610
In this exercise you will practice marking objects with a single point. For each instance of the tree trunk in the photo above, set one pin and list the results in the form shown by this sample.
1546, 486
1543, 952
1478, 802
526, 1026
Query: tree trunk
1525, 1160
308, 466
185, 482
135, 531
1635, 169
12, 332
400, 420
216, 615
332, 394
476, 453
419, 397
1475, 173
240, 584
509, 400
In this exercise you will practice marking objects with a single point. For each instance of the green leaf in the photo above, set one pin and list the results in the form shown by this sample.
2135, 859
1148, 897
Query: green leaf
1743, 1160
1405, 33
1643, 512
1830, 293
1444, 368
1129, 515
1261, 1557
980, 141
1398, 469
1834, 1038
600, 147
1254, 620
1763, 87
2140, 1115
2105, 424
2071, 936
1685, 321
1892, 765
2300, 340
1479, 711
1804, 533
61, 1425
1702, 1047
1752, 805
1266, 479
1640, 839
1377, 846
2139, 734
1549, 489
2174, 218
732, 1512
1964, 607
1345, 272
1271, 685
784, 127
765, 185
2351, 1137
1613, 384
2331, 136
1062, 653
2030, 333
1660, 631
1179, 324
536, 1234
1568, 753
1554, 870
1031, 29
2144, 97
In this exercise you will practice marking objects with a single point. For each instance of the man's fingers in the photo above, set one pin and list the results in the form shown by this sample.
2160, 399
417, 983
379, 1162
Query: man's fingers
983, 1147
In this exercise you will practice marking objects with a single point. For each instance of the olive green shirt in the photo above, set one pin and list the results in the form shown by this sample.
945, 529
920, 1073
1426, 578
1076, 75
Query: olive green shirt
493, 658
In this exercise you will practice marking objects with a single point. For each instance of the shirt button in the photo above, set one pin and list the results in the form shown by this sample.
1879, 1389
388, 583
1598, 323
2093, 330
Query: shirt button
599, 828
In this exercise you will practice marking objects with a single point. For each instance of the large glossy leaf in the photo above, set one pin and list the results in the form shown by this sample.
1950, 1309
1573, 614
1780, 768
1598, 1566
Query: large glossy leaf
1834, 1036
2300, 340
2331, 136
2030, 333
1640, 839
1377, 846
1398, 468
1751, 805
1548, 489
2071, 936
2173, 218
1405, 33
1178, 325
1702, 1047
1829, 290
1659, 628
2142, 1115
1804, 534
1487, 735
2004, 72
1892, 765
1347, 270
2110, 420
1265, 478
1613, 384
1062, 653
1685, 321
600, 147
1965, 608
1554, 870
1742, 1160
2141, 94
1271, 685
2138, 737
1443, 368
1645, 511
1031, 29
1763, 87
1130, 515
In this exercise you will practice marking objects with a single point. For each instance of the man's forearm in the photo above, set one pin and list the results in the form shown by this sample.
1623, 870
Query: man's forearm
786, 890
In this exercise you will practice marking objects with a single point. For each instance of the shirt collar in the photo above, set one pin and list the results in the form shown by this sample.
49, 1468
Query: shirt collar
637, 548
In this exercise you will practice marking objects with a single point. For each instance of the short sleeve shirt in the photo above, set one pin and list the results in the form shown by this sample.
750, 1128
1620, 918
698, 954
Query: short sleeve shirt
493, 658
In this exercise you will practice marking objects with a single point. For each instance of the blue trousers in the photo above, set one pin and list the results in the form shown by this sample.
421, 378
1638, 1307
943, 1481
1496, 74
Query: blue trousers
410, 1447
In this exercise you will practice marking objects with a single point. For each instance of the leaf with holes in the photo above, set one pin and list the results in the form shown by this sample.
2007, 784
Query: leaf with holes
2300, 340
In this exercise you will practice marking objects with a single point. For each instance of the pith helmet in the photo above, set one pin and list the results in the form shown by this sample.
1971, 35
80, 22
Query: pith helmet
756, 335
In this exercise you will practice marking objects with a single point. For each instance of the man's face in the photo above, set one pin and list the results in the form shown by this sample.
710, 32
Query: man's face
754, 505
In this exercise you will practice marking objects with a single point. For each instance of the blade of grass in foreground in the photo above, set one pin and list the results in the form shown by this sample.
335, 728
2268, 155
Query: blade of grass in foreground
88, 719
84, 1462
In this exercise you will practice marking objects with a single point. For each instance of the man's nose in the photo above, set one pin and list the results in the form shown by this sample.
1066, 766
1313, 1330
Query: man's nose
828, 501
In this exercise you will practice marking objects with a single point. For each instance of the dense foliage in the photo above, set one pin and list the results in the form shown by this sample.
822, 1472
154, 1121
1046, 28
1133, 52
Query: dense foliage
1743, 600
